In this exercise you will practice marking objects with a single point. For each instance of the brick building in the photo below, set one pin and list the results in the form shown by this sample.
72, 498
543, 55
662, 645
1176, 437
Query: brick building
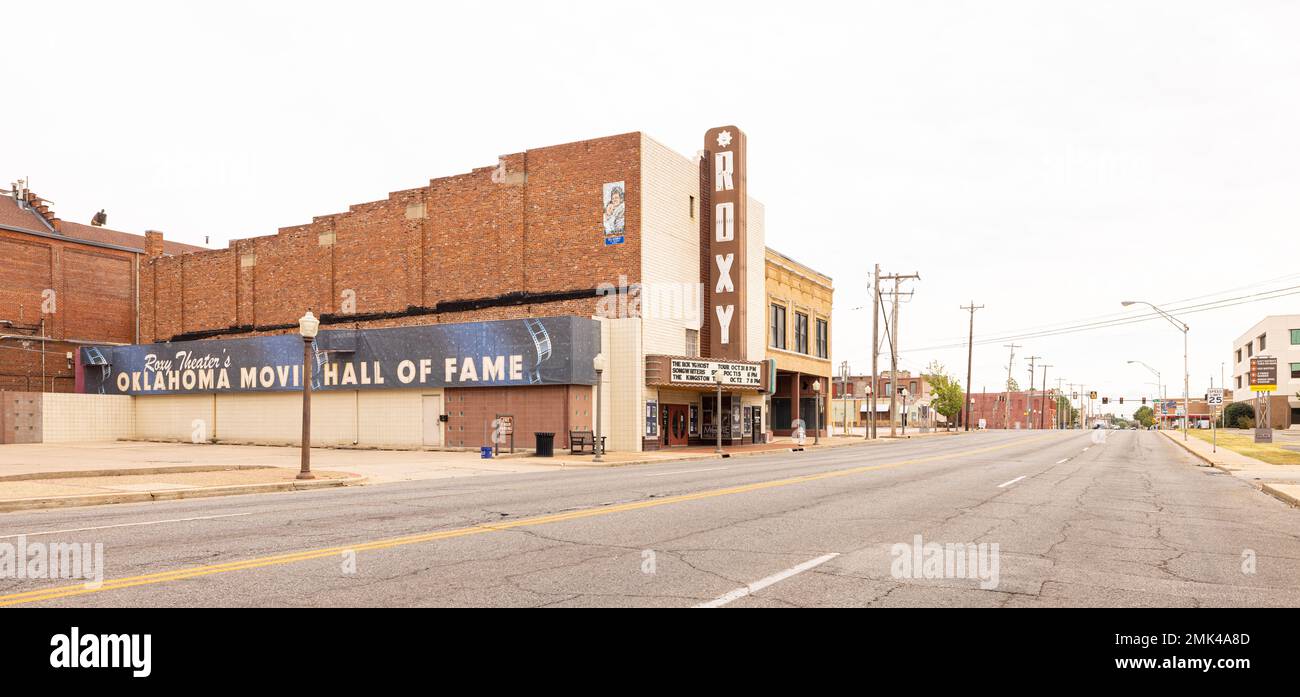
477, 296
798, 342
65, 285
1026, 411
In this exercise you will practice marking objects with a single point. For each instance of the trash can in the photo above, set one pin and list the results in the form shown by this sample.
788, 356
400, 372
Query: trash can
545, 444
485, 452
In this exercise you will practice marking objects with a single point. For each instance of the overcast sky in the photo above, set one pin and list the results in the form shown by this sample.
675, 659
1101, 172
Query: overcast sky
1044, 159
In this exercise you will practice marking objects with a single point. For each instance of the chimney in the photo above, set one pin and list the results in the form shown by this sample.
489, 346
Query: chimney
153, 244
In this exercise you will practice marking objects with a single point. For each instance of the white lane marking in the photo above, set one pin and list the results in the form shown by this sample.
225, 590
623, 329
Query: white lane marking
1062, 462
124, 525
774, 578
1013, 481
665, 474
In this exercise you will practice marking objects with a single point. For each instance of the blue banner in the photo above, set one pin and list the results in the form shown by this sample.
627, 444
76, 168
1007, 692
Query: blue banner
534, 351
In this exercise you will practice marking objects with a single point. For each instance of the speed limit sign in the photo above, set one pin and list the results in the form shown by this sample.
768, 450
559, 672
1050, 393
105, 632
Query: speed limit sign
1215, 396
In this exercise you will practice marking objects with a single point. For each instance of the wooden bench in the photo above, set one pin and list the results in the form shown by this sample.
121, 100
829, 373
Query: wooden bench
584, 441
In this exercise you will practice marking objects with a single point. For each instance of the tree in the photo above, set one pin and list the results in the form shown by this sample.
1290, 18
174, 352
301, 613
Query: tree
1012, 385
1145, 416
1066, 410
946, 394
1239, 415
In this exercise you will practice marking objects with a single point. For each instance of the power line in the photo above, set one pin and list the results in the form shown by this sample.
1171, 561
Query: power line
1136, 319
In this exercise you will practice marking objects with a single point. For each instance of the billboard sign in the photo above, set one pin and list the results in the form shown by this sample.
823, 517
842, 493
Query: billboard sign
533, 351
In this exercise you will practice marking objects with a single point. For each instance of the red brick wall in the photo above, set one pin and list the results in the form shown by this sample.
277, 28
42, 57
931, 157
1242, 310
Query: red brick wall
94, 300
536, 229
993, 409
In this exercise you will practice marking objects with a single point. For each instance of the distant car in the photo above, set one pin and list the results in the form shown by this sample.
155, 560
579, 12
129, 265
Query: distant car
1096, 427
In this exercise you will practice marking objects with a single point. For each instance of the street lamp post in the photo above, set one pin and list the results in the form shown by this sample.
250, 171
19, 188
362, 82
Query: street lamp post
902, 392
1182, 327
599, 446
817, 411
717, 413
308, 326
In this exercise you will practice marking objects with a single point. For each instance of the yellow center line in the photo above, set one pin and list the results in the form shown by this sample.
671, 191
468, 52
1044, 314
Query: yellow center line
274, 560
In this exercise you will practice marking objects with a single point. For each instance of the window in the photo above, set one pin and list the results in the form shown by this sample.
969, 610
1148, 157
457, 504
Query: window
695, 419
889, 389
692, 343
1295, 337
911, 388
801, 332
823, 339
1263, 342
692, 208
1250, 349
1295, 371
1238, 355
776, 328
1239, 382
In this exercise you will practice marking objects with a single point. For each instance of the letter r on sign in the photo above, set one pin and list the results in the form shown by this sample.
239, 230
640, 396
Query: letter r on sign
726, 167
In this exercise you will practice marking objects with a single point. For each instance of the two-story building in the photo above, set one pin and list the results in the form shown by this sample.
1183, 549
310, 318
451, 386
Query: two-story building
1277, 336
799, 343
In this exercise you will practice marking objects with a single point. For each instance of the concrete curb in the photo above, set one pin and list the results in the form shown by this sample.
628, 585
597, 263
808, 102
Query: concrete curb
1209, 462
713, 456
1269, 489
170, 469
172, 494
1280, 495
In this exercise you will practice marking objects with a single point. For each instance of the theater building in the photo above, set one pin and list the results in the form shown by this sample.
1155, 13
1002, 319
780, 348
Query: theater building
478, 296
65, 285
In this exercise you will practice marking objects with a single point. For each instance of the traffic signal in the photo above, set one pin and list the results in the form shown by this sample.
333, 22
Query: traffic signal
1105, 400
1144, 401
1121, 400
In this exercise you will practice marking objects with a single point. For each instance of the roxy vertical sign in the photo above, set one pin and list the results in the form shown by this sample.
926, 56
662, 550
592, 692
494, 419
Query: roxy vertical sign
725, 149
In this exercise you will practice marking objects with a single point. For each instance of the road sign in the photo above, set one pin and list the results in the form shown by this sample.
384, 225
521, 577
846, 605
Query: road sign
1263, 374
1215, 397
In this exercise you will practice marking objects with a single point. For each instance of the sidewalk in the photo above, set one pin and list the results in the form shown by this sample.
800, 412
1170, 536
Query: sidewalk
1280, 481
32, 492
51, 475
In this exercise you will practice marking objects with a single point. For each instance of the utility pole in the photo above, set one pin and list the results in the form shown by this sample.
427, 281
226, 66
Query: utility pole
1029, 396
1042, 411
1060, 387
893, 347
970, 353
871, 431
1011, 362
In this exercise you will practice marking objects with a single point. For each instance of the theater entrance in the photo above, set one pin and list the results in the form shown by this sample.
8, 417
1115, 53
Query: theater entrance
676, 428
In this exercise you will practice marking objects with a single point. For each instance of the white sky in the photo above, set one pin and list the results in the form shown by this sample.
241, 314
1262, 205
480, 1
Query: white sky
1047, 160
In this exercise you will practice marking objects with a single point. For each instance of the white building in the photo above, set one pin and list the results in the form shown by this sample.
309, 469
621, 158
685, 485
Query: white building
1277, 336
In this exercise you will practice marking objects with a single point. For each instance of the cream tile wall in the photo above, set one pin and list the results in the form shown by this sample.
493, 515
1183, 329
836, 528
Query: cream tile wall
173, 417
756, 283
275, 418
622, 413
393, 418
86, 418
670, 243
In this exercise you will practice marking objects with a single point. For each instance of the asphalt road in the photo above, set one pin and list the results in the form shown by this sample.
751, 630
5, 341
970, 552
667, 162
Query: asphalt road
1130, 521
